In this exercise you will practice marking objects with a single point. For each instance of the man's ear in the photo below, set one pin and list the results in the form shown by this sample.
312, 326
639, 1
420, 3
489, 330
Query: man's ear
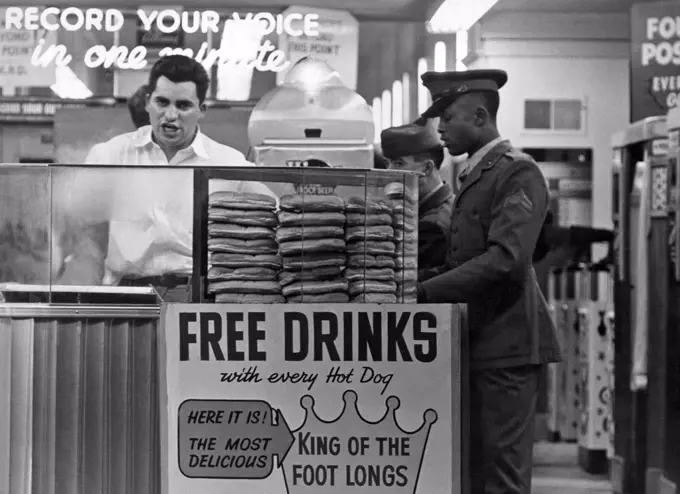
428, 166
481, 116
203, 109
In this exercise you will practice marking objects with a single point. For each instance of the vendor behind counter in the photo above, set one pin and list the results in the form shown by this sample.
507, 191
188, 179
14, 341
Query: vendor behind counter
140, 221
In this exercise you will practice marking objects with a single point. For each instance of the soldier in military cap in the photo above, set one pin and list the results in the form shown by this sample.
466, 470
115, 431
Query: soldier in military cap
379, 161
416, 147
497, 217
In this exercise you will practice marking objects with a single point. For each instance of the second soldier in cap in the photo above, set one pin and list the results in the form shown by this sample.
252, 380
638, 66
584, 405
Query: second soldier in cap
415, 147
497, 217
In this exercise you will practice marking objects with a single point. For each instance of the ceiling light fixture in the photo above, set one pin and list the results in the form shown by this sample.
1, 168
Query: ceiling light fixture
458, 15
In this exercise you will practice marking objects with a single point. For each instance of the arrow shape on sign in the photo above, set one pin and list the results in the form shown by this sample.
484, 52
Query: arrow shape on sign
213, 431
282, 438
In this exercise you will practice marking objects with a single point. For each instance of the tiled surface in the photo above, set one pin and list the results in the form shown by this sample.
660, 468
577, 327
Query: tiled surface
556, 471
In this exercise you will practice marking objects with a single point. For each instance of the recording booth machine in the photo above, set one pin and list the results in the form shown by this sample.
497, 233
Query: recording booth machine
647, 308
312, 120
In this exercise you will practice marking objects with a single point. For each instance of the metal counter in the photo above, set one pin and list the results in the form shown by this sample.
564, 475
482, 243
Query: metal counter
78, 399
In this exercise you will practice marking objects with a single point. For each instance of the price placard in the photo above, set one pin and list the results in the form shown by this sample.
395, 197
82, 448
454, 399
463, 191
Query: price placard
660, 147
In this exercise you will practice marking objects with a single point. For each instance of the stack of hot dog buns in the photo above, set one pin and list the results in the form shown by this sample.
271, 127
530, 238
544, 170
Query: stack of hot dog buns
405, 223
371, 250
312, 246
244, 261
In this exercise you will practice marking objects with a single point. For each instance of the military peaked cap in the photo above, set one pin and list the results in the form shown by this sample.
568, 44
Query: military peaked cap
446, 87
408, 140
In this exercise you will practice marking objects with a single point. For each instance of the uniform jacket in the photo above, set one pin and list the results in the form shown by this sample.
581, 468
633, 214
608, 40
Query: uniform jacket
434, 228
497, 217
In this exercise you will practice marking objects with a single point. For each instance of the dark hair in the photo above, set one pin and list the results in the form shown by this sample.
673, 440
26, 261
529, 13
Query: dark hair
179, 68
137, 107
436, 155
491, 101
379, 161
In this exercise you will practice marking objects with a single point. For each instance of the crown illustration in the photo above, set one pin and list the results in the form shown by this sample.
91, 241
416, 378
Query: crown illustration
352, 453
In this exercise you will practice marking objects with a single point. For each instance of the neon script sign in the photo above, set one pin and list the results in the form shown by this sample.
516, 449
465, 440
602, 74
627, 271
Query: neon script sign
265, 58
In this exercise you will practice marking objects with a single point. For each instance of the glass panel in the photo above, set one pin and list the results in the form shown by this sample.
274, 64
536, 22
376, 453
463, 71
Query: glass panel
25, 240
537, 114
337, 235
326, 235
119, 228
567, 115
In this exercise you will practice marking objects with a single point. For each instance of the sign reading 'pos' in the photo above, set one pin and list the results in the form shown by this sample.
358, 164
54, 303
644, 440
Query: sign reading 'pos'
655, 58
309, 399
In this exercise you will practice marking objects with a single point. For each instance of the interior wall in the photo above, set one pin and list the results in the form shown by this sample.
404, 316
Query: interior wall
26, 143
562, 56
386, 51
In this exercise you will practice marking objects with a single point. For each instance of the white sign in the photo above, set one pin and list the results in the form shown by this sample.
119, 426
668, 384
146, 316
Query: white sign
167, 21
16, 49
337, 43
660, 147
309, 399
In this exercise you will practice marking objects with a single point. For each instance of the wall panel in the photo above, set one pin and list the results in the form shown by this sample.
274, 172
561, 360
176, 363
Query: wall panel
556, 26
386, 51
79, 409
562, 56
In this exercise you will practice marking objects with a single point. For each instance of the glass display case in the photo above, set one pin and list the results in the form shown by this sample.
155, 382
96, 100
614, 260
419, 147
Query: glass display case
355, 242
25, 230
83, 390
76, 234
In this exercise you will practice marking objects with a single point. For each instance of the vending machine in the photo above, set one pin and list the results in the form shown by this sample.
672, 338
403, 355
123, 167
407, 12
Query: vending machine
595, 420
312, 119
663, 432
568, 324
640, 152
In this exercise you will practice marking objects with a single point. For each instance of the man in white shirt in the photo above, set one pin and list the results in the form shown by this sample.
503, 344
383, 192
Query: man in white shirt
151, 212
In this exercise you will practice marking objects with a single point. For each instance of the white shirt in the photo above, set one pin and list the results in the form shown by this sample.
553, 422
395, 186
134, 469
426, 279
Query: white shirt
151, 212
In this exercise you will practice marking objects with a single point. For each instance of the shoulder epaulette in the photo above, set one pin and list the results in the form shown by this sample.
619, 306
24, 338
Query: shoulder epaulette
516, 155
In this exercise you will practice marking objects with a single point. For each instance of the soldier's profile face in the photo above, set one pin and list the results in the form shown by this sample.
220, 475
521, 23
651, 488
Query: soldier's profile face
406, 163
456, 127
413, 164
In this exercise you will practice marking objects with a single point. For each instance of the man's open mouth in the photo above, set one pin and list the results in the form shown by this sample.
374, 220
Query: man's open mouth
170, 128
